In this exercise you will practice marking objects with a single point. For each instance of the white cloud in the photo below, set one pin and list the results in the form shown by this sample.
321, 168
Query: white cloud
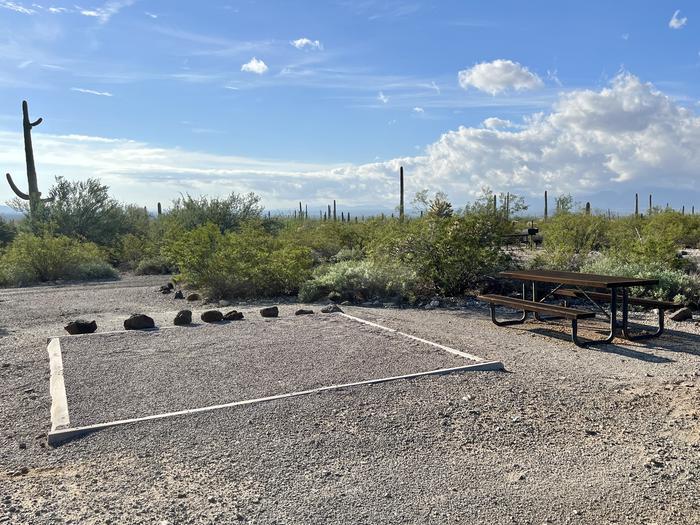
624, 137
108, 10
625, 36
92, 92
418, 109
499, 76
255, 66
495, 123
151, 15
302, 43
16, 7
382, 98
676, 22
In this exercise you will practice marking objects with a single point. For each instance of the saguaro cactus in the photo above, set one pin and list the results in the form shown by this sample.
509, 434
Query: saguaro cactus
33, 195
401, 189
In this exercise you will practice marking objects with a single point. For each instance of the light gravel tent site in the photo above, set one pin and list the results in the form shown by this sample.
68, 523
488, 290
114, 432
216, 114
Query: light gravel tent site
116, 378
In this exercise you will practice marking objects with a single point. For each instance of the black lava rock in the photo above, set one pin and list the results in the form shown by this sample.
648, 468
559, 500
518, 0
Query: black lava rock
233, 315
303, 311
183, 317
139, 322
81, 326
212, 316
270, 311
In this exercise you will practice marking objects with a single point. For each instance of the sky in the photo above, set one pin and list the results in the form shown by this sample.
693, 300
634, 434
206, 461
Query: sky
315, 101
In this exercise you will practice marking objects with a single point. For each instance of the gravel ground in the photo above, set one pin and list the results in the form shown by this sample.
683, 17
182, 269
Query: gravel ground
608, 435
125, 375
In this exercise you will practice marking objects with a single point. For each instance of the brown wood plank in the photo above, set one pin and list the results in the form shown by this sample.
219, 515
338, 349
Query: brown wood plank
540, 308
640, 301
576, 279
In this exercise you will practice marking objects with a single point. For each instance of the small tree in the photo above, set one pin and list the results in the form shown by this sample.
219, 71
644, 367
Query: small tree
438, 206
227, 213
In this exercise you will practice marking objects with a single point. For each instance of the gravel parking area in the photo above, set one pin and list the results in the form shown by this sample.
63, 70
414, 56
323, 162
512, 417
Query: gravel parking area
131, 374
566, 435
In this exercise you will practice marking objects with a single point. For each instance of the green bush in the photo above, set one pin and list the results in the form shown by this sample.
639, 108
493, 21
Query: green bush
83, 210
569, 239
361, 280
674, 285
453, 254
31, 259
248, 263
326, 239
227, 213
7, 232
654, 240
153, 266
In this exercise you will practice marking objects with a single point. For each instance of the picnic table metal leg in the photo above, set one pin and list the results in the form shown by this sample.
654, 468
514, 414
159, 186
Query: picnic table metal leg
507, 322
625, 321
613, 325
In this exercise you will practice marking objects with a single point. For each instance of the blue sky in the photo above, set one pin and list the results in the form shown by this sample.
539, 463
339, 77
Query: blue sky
315, 100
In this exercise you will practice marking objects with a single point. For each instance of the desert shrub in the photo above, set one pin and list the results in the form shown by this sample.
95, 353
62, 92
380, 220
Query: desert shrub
7, 232
31, 259
360, 280
569, 238
452, 253
652, 241
157, 265
326, 239
247, 263
674, 285
227, 213
348, 254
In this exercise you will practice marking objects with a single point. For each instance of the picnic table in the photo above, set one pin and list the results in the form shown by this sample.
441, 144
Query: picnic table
584, 286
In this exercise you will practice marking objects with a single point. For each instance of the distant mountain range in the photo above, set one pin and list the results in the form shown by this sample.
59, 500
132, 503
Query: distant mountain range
8, 213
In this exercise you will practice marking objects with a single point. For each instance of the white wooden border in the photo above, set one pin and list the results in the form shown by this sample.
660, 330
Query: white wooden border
58, 436
431, 343
57, 387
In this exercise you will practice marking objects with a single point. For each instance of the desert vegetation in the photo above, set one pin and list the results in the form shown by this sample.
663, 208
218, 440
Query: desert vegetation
229, 247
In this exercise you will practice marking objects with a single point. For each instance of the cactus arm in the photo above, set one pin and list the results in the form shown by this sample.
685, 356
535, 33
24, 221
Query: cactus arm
36, 122
19, 193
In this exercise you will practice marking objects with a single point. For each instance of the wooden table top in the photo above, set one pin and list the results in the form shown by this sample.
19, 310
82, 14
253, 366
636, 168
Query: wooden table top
577, 279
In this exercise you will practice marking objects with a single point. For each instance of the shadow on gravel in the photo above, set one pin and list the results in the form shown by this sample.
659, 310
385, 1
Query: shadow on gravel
3, 332
608, 349
670, 341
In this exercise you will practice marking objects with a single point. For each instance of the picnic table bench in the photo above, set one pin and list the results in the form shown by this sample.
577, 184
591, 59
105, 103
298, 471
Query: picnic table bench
577, 285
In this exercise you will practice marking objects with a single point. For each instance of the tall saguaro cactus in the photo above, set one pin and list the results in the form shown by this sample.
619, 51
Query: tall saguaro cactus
401, 189
33, 195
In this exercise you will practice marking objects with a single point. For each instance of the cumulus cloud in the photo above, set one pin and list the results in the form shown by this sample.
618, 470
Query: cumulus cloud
624, 137
301, 43
255, 66
495, 123
676, 22
499, 76
92, 92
